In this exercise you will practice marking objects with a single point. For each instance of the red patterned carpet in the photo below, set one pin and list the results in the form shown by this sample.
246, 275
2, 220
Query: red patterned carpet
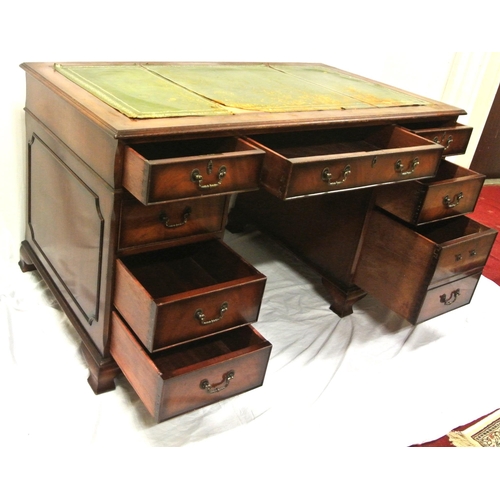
445, 441
487, 212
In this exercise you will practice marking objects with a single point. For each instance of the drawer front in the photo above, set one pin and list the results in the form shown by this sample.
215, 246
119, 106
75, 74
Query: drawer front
174, 222
300, 164
179, 294
193, 375
454, 138
152, 178
454, 191
207, 313
447, 297
332, 175
464, 244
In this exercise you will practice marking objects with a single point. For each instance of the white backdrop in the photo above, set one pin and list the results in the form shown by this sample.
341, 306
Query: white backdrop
414, 49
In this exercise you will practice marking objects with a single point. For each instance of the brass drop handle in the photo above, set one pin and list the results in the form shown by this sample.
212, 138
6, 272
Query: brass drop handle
437, 140
451, 299
326, 176
200, 315
449, 203
185, 216
198, 178
399, 167
206, 386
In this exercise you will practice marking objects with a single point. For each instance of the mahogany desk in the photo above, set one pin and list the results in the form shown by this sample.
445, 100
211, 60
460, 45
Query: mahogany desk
133, 172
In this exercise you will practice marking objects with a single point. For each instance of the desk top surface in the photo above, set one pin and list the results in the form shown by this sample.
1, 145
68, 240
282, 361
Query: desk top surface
132, 98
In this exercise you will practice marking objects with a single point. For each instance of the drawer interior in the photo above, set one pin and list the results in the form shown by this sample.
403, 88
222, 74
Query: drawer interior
452, 229
332, 142
165, 150
182, 269
448, 171
433, 125
173, 361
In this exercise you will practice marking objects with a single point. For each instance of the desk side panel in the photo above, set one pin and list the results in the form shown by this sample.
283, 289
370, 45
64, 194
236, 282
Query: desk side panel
95, 145
71, 228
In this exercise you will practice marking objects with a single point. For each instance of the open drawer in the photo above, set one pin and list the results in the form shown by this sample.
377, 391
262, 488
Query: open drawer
171, 170
454, 191
174, 295
192, 375
399, 265
320, 161
453, 136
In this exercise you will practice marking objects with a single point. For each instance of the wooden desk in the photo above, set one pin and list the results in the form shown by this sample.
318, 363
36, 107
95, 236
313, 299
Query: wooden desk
132, 169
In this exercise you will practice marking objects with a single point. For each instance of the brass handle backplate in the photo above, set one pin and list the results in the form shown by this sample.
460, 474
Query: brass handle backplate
326, 176
449, 203
399, 167
200, 315
198, 178
453, 297
206, 386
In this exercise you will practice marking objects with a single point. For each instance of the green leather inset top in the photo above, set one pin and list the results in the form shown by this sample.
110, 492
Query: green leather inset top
191, 89
138, 93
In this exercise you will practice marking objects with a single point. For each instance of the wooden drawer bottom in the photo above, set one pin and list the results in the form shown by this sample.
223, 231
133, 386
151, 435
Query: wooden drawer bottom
192, 375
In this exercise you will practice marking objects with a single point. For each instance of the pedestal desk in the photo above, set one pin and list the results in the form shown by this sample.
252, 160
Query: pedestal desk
136, 169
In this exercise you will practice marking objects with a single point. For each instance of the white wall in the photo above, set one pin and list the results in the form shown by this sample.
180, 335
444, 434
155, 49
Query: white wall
405, 49
472, 84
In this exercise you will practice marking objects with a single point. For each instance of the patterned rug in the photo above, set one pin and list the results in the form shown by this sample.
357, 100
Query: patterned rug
485, 433
481, 433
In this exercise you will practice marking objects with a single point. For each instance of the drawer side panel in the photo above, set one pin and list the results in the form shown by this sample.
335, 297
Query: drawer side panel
395, 264
137, 367
132, 299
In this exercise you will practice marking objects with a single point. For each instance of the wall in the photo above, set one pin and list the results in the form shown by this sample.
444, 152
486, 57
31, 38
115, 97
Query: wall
376, 40
472, 84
